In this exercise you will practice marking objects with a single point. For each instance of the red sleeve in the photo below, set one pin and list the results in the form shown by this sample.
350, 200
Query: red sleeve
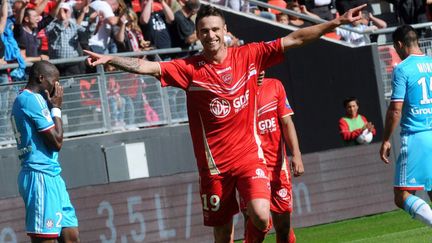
266, 54
366, 121
283, 105
177, 73
345, 132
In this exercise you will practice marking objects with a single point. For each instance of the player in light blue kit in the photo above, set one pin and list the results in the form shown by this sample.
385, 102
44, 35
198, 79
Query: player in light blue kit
36, 119
411, 104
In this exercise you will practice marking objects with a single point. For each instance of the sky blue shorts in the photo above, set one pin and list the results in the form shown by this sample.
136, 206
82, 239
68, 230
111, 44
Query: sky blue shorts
47, 204
413, 170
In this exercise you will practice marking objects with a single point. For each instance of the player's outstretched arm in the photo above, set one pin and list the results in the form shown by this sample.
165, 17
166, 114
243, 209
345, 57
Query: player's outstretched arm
54, 136
290, 138
308, 34
133, 65
393, 116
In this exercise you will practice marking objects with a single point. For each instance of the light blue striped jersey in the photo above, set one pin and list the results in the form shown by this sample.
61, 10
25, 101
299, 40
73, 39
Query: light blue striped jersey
412, 84
30, 118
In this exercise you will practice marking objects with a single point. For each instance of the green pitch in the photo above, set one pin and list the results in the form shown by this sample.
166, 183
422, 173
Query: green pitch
393, 227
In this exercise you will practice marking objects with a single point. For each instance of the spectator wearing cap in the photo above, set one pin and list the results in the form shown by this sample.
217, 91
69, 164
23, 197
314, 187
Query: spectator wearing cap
28, 25
183, 32
63, 40
155, 17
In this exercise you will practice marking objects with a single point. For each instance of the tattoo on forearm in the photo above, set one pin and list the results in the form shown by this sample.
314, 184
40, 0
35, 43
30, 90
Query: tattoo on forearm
126, 64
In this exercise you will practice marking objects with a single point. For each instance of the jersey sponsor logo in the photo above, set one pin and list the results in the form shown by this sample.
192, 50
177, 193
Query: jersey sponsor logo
267, 125
421, 111
46, 113
241, 102
220, 108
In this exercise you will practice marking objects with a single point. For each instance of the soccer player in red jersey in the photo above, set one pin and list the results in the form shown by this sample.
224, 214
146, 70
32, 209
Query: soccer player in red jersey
276, 129
221, 86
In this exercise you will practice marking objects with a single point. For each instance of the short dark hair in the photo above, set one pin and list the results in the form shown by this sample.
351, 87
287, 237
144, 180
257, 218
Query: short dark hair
206, 11
349, 99
405, 34
43, 68
192, 5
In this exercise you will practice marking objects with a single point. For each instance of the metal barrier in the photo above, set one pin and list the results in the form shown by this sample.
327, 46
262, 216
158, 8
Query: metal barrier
90, 105
389, 58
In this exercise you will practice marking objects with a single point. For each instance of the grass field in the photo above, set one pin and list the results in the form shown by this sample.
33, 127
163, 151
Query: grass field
393, 227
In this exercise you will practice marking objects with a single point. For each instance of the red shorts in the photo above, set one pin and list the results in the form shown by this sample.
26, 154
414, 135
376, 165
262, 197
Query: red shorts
281, 192
218, 192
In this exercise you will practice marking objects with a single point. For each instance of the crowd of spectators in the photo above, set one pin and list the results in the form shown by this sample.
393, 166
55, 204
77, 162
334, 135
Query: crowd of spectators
33, 30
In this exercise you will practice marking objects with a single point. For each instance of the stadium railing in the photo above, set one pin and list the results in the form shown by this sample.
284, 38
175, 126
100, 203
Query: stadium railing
88, 107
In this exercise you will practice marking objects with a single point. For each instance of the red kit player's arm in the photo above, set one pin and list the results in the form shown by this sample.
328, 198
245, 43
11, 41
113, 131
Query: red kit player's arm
290, 138
133, 65
308, 34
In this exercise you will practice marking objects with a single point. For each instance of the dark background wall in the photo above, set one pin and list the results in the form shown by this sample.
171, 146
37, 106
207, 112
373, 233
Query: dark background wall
317, 77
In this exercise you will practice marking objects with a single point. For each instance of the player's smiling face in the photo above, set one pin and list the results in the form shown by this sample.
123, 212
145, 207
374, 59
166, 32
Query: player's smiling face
211, 32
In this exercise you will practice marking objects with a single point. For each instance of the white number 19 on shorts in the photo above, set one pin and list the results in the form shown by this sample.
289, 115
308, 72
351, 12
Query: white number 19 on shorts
214, 202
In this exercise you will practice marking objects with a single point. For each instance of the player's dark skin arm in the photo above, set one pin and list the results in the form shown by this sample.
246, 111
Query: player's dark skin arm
54, 136
393, 116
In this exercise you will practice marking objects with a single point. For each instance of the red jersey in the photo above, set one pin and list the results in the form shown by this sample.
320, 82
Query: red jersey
272, 107
221, 103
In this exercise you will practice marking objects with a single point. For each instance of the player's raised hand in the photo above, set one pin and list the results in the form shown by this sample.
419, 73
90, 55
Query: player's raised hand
352, 15
385, 151
95, 59
55, 99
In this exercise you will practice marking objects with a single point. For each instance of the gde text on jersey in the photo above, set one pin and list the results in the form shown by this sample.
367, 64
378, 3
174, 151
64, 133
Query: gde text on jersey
241, 102
267, 125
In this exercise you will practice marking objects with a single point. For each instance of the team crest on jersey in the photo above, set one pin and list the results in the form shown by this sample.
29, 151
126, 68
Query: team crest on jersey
259, 174
227, 78
220, 108
47, 114
49, 223
283, 192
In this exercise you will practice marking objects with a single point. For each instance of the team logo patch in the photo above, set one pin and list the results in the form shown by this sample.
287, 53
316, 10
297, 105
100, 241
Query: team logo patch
287, 105
283, 192
259, 174
220, 108
49, 223
46, 113
227, 78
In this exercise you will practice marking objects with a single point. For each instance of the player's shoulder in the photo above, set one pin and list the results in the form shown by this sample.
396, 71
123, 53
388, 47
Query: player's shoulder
27, 97
272, 82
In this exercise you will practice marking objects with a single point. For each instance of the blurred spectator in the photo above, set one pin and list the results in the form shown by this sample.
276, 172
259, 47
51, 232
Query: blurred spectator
299, 22
101, 40
154, 18
411, 11
84, 15
128, 34
63, 41
343, 5
366, 23
322, 8
4, 90
183, 34
116, 101
352, 125
11, 51
26, 29
282, 18
277, 3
